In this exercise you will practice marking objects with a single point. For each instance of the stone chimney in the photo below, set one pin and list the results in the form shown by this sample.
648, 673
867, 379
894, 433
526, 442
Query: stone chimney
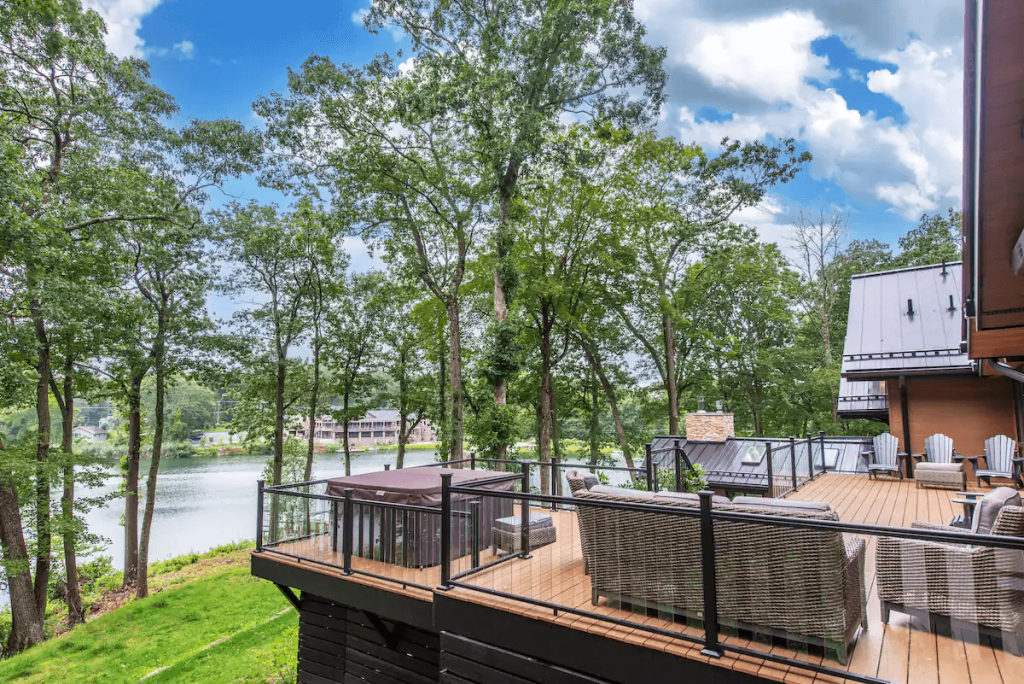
705, 426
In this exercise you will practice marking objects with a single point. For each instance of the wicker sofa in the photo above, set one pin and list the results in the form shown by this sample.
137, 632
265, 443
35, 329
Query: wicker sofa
800, 584
972, 588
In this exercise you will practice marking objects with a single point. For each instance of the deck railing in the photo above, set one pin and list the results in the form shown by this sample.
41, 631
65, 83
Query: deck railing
692, 577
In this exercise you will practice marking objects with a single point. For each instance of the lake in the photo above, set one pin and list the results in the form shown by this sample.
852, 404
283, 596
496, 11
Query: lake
205, 502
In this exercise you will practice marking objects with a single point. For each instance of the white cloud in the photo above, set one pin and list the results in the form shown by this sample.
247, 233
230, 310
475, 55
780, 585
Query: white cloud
186, 49
768, 57
767, 61
123, 19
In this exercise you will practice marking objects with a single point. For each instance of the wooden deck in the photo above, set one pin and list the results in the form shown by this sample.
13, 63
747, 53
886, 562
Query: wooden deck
902, 651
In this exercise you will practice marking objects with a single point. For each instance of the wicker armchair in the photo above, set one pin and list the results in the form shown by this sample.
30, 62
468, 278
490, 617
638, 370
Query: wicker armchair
957, 583
795, 583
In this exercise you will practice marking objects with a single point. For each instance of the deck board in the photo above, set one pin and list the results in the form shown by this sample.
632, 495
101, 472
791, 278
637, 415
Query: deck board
902, 651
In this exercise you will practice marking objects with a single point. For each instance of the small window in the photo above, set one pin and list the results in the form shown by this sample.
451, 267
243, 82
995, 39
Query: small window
754, 454
831, 457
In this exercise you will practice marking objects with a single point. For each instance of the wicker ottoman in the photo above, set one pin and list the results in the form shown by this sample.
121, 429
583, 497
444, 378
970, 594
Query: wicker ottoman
508, 532
941, 475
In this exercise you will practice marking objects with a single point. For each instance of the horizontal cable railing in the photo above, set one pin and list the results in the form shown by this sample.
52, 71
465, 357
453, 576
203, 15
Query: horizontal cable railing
650, 560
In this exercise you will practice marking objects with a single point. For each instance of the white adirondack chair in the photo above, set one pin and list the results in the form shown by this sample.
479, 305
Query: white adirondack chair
1001, 460
942, 466
884, 456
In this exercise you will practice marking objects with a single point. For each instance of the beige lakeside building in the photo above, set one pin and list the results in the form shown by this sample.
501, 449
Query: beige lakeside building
378, 427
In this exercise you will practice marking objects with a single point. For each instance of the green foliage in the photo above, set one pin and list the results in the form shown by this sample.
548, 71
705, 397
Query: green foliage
491, 429
692, 480
935, 240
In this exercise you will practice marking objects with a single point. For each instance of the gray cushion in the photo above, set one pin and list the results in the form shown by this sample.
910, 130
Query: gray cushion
782, 503
591, 480
689, 498
940, 467
639, 494
988, 508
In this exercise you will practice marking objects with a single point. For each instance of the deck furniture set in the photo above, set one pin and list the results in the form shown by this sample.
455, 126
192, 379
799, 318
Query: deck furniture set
797, 583
964, 588
942, 466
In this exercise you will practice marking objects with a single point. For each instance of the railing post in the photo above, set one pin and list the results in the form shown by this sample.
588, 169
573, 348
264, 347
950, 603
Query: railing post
679, 466
259, 515
654, 476
708, 574
792, 460
472, 460
771, 469
650, 469
446, 530
810, 456
524, 522
387, 466
346, 535
556, 481
821, 438
334, 526
474, 509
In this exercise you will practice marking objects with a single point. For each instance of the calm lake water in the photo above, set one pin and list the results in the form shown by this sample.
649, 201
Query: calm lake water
205, 502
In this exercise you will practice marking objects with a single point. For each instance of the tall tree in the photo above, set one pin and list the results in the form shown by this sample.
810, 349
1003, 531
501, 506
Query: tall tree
352, 351
398, 170
935, 240
674, 205
818, 240
519, 66
268, 253
403, 362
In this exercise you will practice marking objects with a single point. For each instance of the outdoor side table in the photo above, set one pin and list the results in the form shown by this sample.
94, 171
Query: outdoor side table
508, 532
968, 516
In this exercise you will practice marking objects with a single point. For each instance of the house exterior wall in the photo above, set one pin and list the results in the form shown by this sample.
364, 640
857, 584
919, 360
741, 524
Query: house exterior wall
968, 409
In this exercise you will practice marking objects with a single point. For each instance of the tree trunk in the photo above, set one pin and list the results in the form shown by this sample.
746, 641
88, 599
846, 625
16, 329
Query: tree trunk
314, 398
26, 620
504, 240
279, 416
159, 354
42, 503
444, 445
72, 594
544, 412
131, 499
595, 450
455, 378
402, 406
609, 391
670, 374
344, 437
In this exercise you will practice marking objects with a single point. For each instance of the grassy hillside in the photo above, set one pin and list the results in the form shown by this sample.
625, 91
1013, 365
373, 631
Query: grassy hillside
212, 623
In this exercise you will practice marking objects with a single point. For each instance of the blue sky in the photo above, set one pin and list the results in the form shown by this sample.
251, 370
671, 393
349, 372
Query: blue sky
870, 89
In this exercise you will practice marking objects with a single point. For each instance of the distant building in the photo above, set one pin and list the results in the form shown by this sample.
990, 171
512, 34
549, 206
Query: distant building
220, 438
86, 433
378, 427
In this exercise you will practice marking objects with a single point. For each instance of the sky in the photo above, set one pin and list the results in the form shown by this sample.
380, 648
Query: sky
872, 88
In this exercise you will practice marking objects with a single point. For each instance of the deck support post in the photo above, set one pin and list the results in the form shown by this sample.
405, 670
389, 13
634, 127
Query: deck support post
259, 515
650, 469
446, 530
712, 649
678, 466
771, 471
821, 438
792, 460
556, 481
346, 541
524, 523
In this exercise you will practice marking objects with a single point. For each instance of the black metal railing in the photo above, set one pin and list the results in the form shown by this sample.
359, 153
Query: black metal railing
709, 520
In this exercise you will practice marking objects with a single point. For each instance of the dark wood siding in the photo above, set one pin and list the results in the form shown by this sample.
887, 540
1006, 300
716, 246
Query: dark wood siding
342, 645
465, 661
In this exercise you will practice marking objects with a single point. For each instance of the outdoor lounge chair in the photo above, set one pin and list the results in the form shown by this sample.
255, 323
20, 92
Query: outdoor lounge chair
884, 456
972, 588
801, 584
1001, 460
942, 467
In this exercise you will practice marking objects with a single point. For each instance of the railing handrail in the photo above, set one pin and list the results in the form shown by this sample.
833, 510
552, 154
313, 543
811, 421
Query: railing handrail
363, 502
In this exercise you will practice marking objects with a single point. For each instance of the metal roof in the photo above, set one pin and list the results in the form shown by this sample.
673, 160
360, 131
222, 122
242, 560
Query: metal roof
905, 322
723, 461
862, 398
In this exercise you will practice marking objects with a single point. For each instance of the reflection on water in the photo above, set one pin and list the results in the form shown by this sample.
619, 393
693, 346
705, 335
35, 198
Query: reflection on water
204, 502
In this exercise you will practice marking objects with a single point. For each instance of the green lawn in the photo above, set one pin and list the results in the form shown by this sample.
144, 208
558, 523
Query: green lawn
174, 629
